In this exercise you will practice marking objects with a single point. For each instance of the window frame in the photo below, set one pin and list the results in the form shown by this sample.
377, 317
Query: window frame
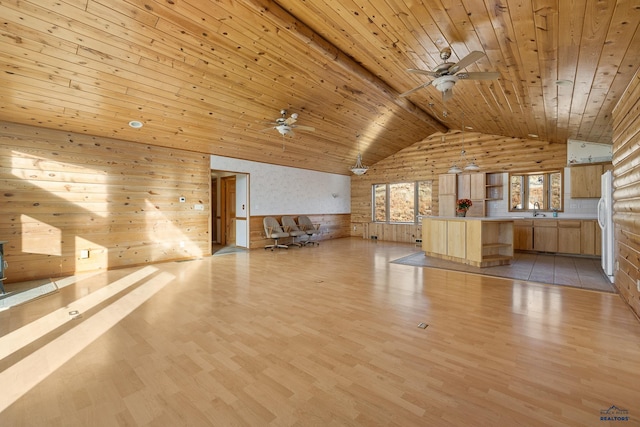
387, 209
547, 192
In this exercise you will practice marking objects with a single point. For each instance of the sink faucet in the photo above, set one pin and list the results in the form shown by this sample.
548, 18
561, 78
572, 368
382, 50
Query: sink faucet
536, 207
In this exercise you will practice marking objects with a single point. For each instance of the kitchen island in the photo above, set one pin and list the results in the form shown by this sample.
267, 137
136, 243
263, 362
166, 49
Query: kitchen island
477, 241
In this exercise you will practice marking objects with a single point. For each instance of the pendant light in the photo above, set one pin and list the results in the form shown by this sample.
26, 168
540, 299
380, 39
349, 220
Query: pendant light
454, 168
471, 165
359, 168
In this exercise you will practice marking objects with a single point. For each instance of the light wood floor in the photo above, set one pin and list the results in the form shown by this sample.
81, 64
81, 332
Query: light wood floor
317, 336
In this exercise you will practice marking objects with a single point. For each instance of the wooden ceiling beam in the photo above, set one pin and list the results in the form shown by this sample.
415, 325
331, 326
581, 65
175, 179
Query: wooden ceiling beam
280, 17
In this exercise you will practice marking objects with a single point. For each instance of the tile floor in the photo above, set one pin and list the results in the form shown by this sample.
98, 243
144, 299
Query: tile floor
580, 272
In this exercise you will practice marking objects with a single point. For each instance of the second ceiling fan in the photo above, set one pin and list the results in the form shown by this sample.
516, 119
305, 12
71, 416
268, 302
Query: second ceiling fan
285, 125
448, 73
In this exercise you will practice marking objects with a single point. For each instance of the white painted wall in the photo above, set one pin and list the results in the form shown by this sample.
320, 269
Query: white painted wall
242, 225
281, 190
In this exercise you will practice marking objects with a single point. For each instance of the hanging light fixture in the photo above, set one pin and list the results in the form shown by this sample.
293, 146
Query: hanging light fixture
359, 168
454, 168
471, 165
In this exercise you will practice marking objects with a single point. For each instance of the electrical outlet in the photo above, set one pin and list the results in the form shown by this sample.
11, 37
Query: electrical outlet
84, 253
182, 199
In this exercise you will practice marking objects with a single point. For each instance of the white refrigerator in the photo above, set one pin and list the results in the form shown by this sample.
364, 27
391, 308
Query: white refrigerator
605, 220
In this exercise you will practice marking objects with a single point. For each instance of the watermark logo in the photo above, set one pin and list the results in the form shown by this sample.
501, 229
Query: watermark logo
614, 414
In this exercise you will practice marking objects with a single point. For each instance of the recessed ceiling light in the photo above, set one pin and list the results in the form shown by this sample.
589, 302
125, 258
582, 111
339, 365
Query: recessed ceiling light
135, 124
564, 83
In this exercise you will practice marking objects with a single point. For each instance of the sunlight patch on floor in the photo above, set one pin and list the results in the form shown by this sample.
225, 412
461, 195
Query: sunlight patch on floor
34, 368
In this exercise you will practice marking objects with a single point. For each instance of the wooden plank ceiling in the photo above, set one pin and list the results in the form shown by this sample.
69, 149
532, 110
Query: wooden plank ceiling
210, 76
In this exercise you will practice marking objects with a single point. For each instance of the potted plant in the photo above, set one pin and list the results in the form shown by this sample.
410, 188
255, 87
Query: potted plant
462, 206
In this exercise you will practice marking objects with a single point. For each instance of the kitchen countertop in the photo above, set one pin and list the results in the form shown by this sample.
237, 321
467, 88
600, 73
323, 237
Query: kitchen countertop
472, 218
549, 217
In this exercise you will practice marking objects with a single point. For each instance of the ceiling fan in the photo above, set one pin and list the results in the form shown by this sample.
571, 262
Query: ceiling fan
448, 73
285, 125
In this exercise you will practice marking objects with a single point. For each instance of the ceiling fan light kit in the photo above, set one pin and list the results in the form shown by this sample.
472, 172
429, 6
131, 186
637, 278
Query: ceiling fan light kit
447, 74
444, 83
285, 125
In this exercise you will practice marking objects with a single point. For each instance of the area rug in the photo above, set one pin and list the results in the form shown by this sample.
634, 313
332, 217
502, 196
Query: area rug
13, 298
580, 272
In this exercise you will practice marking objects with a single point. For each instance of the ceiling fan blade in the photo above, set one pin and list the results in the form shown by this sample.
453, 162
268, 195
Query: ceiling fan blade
289, 121
478, 76
308, 128
415, 89
447, 95
466, 61
426, 72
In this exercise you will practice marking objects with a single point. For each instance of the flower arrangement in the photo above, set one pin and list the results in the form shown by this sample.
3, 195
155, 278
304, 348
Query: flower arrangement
463, 204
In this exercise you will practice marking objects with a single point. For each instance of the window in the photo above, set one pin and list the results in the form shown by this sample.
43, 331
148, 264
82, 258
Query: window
536, 191
380, 202
402, 202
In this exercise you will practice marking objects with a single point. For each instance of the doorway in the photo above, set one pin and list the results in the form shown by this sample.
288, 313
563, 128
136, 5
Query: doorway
228, 211
214, 210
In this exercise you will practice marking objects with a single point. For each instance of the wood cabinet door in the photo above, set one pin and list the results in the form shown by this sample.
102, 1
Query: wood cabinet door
589, 243
464, 186
438, 237
569, 235
447, 205
523, 237
456, 239
448, 183
545, 239
478, 186
585, 181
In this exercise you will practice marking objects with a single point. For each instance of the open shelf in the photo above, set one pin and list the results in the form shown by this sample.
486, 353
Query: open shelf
496, 245
493, 187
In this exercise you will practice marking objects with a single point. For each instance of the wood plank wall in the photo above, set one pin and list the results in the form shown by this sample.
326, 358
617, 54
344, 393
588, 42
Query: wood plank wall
332, 226
427, 159
626, 172
63, 193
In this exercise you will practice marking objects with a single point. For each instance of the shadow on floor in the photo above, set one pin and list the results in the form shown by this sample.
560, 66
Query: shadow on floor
579, 272
217, 250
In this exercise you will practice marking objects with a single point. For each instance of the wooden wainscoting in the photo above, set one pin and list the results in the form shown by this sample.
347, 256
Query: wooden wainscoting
332, 226
406, 233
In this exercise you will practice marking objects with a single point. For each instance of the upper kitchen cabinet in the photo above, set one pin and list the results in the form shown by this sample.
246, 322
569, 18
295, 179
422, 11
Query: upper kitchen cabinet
473, 186
447, 194
585, 180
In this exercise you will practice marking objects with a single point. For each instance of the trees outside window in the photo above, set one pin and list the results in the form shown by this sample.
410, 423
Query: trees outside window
402, 202
536, 191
